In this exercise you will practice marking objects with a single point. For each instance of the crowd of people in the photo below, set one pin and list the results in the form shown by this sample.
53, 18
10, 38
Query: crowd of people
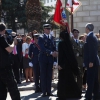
32, 56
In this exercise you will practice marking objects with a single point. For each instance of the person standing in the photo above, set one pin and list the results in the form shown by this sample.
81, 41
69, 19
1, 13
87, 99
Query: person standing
91, 61
68, 68
33, 55
78, 51
7, 81
46, 59
25, 50
16, 64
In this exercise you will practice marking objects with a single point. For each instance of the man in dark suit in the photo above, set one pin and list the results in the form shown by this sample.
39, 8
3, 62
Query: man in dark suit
91, 61
16, 54
46, 59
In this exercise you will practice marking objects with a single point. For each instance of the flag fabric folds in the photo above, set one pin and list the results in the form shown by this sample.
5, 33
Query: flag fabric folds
60, 18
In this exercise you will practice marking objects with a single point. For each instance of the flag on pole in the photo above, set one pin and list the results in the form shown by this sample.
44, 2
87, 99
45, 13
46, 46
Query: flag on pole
72, 5
60, 18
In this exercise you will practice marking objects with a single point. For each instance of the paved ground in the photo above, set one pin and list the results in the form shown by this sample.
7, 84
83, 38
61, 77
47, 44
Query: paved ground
30, 95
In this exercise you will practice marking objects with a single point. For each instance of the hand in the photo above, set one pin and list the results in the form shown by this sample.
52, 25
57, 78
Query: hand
90, 65
15, 41
59, 67
54, 54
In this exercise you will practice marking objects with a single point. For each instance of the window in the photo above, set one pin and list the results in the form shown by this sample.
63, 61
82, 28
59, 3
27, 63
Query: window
47, 1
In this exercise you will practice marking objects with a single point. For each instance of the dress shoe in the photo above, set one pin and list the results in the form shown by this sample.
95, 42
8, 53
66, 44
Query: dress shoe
43, 95
37, 91
87, 99
50, 94
18, 82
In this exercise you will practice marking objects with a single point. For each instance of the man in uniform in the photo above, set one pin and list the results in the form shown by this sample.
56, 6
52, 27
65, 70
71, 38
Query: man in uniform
46, 59
33, 55
78, 50
7, 81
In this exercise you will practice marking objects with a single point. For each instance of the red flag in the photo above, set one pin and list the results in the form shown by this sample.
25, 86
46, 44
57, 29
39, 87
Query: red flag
60, 18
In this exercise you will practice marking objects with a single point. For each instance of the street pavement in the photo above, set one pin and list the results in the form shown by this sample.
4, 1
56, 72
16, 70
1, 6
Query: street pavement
30, 95
27, 92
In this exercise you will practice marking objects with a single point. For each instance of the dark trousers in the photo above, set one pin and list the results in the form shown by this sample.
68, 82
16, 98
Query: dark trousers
92, 82
37, 75
46, 77
84, 76
7, 82
21, 67
15, 67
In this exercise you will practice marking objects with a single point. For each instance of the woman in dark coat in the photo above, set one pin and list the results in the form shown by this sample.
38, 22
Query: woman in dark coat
67, 65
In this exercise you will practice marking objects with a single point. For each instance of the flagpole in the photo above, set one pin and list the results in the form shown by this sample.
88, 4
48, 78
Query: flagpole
67, 13
72, 17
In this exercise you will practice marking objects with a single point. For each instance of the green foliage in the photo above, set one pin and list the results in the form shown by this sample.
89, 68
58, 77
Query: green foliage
14, 10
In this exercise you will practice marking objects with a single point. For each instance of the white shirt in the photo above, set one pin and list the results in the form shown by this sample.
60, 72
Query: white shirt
48, 35
24, 47
90, 33
77, 40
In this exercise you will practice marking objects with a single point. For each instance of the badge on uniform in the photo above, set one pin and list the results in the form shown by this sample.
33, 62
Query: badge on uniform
81, 45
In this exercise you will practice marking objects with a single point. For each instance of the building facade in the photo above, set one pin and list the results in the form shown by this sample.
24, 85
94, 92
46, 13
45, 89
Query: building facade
89, 12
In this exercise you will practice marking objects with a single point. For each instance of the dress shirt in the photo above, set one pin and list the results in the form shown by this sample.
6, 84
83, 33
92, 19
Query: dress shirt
77, 40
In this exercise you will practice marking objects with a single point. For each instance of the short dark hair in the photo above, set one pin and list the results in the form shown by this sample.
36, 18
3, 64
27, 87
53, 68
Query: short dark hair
2, 27
75, 30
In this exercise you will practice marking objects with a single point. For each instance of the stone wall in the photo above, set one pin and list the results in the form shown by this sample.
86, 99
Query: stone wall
89, 12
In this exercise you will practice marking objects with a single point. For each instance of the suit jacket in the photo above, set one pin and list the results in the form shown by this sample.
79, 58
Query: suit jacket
91, 50
19, 50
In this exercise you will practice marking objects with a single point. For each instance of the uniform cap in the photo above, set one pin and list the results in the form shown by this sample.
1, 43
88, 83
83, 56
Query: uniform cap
47, 26
36, 35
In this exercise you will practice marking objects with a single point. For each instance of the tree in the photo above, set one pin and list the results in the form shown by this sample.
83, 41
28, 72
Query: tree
33, 13
15, 11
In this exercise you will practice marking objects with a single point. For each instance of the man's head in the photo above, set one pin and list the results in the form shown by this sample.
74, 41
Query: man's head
75, 33
89, 27
36, 36
2, 28
47, 28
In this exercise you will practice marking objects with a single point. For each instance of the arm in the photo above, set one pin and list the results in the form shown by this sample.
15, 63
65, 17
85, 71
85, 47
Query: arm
23, 49
30, 52
4, 44
92, 49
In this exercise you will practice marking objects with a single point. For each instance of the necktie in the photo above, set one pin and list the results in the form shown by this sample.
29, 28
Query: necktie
48, 36
14, 50
76, 42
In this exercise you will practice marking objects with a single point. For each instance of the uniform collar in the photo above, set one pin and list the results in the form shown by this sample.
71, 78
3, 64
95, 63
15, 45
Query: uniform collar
48, 35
